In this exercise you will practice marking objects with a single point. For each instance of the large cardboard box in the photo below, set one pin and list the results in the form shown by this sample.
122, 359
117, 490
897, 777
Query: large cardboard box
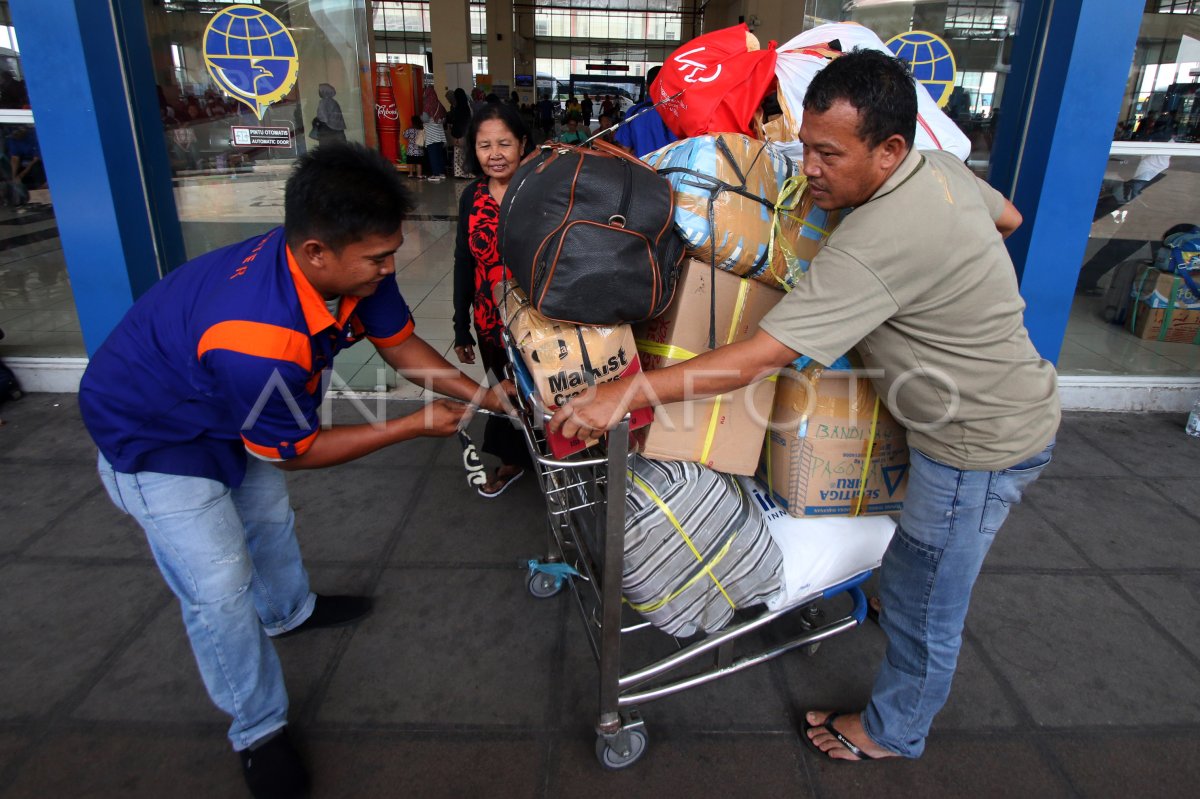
560, 358
1160, 289
1165, 324
1164, 308
724, 433
828, 430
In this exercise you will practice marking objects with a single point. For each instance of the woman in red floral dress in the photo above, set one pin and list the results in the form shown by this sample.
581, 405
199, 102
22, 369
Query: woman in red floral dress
496, 141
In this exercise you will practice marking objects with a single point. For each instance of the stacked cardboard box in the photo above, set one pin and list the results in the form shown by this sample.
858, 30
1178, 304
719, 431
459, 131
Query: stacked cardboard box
833, 449
1164, 307
724, 433
564, 359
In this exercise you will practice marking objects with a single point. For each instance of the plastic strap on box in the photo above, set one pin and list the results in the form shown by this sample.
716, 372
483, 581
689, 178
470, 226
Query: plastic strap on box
866, 470
680, 354
662, 506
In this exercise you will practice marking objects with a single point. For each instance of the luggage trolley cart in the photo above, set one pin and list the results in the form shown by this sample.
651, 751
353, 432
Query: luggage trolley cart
585, 503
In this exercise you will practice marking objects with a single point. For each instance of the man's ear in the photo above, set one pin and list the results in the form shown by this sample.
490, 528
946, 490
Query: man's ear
313, 252
893, 149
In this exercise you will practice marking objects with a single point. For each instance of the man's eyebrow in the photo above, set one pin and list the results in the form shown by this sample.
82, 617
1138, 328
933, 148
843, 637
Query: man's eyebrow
820, 145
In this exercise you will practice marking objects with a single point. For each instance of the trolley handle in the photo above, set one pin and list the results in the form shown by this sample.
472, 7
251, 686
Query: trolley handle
534, 411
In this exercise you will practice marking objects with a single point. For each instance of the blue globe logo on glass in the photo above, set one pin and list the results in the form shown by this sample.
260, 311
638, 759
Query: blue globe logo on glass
251, 56
930, 59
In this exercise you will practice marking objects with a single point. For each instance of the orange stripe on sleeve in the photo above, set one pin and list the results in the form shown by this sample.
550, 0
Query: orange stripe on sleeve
266, 453
273, 454
303, 444
398, 338
257, 338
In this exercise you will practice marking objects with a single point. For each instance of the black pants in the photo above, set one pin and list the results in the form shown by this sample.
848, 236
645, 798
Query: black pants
500, 437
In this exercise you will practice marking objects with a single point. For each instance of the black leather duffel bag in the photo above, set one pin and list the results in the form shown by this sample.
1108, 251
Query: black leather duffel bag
588, 234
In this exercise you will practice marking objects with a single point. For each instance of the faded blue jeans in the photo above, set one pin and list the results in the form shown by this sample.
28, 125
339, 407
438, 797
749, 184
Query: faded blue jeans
231, 557
949, 520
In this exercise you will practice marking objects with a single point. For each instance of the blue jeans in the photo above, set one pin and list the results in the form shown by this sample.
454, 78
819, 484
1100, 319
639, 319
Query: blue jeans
437, 158
231, 557
949, 520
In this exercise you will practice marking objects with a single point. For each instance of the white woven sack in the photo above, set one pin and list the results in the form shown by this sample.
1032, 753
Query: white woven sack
820, 551
795, 70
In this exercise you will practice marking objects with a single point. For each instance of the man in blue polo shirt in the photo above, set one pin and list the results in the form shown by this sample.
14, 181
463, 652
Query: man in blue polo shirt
213, 379
647, 132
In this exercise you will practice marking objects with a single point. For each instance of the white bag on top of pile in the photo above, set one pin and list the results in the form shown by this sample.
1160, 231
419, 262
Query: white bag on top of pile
731, 183
795, 70
821, 551
696, 547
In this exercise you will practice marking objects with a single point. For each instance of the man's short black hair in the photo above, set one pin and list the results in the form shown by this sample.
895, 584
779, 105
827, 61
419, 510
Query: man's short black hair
876, 84
341, 193
512, 120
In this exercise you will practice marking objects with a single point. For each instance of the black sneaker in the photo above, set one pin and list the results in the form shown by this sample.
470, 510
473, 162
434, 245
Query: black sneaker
334, 611
273, 769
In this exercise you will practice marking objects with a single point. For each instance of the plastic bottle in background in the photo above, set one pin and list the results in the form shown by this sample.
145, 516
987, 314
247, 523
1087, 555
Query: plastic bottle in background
1193, 422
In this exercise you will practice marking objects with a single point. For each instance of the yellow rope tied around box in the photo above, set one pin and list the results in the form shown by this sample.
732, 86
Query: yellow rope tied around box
734, 323
680, 354
790, 195
664, 350
707, 570
866, 470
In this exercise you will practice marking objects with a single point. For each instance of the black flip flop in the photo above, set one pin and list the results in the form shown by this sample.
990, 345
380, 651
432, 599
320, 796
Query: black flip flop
843, 740
504, 487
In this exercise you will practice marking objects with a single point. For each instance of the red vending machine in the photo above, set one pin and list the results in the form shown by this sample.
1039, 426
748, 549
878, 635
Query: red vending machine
408, 85
387, 117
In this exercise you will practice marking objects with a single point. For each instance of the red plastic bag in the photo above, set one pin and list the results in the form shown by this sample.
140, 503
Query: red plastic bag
722, 80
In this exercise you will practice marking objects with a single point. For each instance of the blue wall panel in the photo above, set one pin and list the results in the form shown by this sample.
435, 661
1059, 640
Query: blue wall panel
1056, 170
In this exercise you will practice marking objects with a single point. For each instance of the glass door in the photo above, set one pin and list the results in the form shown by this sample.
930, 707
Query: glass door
37, 307
243, 90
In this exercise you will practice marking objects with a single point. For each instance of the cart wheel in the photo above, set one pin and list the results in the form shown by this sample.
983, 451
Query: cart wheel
543, 586
613, 760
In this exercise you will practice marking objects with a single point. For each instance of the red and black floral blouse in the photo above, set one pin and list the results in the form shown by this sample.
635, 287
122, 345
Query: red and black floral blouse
477, 266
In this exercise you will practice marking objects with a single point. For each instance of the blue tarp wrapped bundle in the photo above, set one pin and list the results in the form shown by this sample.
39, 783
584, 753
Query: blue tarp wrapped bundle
754, 196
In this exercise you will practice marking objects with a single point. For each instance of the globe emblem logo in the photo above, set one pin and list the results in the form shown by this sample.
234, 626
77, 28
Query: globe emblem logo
251, 56
930, 59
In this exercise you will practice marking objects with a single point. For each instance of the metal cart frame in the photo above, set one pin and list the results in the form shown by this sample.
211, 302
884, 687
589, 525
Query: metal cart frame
586, 529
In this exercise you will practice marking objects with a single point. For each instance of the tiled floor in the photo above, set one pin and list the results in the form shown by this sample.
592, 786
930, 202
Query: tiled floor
37, 308
1095, 347
1080, 672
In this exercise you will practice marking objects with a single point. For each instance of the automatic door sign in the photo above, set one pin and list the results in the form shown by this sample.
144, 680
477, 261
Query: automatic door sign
251, 56
244, 136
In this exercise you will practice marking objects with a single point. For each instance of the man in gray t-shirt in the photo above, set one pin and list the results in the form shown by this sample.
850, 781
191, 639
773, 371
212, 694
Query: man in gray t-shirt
918, 281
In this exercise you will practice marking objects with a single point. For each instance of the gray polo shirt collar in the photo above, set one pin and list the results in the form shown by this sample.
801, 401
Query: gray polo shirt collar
911, 163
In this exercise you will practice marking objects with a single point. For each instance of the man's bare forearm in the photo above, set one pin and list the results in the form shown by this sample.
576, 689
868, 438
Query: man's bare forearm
349, 442
720, 371
421, 363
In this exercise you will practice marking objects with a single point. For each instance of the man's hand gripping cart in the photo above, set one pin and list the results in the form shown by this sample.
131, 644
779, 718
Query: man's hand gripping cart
585, 503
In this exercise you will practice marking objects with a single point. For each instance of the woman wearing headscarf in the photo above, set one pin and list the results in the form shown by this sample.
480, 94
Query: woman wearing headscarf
329, 125
434, 115
457, 121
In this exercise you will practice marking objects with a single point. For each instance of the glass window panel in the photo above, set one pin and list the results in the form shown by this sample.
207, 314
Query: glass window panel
1151, 185
978, 34
227, 188
37, 306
